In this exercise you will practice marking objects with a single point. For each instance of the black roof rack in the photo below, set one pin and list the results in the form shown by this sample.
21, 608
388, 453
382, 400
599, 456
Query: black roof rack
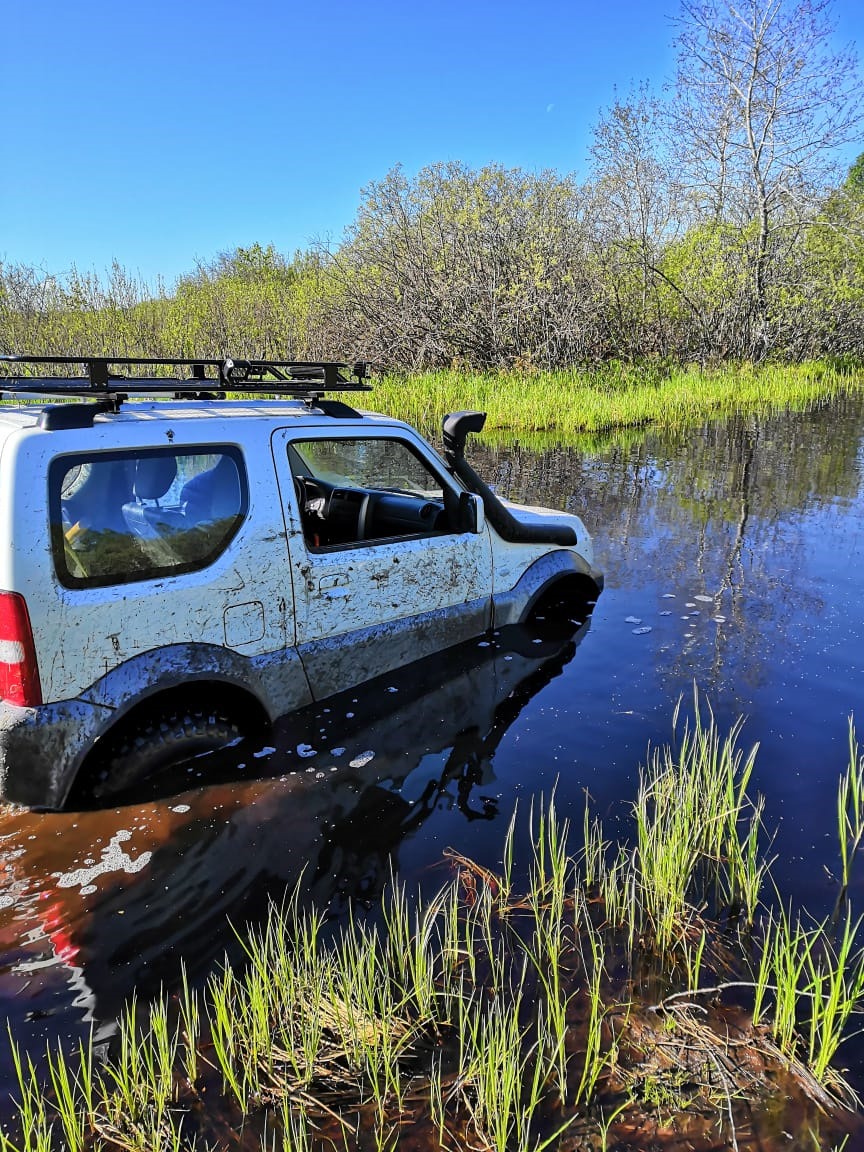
99, 378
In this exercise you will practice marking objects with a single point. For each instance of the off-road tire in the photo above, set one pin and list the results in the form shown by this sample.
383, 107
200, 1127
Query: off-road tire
156, 743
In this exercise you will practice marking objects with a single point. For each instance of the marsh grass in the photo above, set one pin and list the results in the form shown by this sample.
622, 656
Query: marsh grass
695, 826
544, 407
850, 807
615, 395
591, 1002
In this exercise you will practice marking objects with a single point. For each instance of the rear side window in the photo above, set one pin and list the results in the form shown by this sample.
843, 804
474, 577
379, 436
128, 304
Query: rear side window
120, 517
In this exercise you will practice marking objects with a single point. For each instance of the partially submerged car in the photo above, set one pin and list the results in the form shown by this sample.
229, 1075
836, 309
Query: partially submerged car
183, 568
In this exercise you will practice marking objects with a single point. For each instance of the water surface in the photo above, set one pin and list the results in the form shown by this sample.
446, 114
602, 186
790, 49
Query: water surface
734, 560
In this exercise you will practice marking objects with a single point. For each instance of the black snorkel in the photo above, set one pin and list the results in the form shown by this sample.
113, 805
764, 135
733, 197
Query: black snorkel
456, 428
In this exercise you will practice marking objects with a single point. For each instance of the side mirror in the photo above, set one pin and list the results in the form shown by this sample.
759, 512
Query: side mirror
472, 514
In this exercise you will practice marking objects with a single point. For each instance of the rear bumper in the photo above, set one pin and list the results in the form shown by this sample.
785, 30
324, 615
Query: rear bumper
42, 748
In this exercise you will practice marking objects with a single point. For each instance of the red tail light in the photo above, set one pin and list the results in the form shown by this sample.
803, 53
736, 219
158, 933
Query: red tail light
19, 672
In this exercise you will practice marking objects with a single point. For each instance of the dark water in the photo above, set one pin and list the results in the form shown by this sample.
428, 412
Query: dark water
761, 519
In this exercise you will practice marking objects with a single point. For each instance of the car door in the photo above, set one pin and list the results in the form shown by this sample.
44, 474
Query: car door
381, 572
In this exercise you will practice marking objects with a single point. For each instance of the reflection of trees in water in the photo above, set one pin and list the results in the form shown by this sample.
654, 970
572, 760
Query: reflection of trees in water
719, 509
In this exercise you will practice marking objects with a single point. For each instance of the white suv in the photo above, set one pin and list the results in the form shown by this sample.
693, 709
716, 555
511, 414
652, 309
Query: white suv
179, 570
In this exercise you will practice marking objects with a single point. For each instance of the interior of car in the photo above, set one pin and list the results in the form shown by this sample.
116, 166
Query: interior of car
354, 491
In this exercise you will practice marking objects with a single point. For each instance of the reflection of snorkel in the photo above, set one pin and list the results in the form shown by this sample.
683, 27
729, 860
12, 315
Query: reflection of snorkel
522, 664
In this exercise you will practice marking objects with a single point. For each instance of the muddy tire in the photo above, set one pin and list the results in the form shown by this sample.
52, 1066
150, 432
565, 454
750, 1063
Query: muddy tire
157, 743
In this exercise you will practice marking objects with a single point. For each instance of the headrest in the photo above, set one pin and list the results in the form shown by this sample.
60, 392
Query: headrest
154, 475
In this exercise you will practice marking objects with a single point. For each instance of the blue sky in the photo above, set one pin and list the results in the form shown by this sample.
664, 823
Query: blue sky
160, 133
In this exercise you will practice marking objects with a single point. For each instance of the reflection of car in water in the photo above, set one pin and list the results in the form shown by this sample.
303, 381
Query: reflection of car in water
126, 894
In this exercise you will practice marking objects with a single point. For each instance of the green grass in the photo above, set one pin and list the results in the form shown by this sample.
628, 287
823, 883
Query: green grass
497, 1018
616, 395
544, 407
850, 807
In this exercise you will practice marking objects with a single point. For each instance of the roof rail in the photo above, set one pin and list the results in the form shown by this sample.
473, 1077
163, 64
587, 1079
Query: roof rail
98, 377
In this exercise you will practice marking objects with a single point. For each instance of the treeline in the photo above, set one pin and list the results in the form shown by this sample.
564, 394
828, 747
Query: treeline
706, 231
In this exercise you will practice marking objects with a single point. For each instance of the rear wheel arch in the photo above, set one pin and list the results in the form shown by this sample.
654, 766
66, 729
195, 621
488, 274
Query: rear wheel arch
166, 727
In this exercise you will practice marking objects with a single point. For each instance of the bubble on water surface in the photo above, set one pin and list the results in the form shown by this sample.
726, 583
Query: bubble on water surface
361, 760
632, 619
719, 619
668, 595
10, 897
114, 859
704, 599
665, 612
642, 631
337, 751
689, 604
180, 808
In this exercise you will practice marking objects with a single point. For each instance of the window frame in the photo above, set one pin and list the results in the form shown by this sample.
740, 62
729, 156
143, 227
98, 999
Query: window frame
60, 465
440, 475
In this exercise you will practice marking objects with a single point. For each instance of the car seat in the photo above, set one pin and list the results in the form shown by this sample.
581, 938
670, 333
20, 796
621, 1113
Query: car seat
212, 495
145, 517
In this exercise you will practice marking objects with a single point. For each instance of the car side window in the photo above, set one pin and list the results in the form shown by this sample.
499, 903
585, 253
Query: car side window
366, 489
124, 516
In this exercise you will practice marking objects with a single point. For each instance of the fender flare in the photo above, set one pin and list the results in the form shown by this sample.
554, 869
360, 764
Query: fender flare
276, 679
514, 605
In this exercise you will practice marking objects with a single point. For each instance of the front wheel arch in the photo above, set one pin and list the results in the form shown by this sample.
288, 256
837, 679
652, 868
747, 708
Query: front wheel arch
569, 592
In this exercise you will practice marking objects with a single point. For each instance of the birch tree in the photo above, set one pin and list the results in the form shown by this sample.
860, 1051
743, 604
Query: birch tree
762, 104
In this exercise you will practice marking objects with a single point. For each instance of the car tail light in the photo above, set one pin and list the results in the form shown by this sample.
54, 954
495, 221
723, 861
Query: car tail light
19, 672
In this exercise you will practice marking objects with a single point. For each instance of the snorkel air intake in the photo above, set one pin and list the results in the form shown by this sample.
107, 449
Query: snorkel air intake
456, 428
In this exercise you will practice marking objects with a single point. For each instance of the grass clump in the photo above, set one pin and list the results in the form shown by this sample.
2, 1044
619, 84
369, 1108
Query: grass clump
614, 395
628, 994
850, 807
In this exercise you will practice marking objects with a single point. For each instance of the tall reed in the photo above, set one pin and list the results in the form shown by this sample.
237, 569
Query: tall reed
850, 807
610, 396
